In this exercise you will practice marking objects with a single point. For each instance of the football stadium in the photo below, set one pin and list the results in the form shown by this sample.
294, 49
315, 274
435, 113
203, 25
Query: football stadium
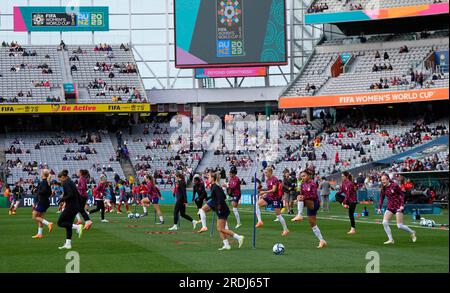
224, 136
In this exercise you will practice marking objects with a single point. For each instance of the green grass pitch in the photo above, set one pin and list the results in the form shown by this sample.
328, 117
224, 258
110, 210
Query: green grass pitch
131, 245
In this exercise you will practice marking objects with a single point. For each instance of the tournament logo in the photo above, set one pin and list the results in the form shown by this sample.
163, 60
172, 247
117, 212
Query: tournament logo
38, 19
230, 12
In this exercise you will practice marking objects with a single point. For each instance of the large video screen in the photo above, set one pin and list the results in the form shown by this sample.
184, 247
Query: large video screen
220, 33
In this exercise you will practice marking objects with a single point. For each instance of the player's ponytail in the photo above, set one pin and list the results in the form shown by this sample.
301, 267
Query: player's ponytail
348, 175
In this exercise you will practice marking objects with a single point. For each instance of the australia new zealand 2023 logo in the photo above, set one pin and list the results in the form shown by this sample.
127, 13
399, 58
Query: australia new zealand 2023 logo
230, 34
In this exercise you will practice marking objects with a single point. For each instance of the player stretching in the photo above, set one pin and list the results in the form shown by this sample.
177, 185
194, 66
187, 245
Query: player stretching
72, 200
181, 202
234, 190
308, 194
222, 211
82, 189
44, 193
395, 206
271, 196
349, 199
200, 190
154, 195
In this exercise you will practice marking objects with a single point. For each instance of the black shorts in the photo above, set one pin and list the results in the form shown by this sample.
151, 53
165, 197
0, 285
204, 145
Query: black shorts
223, 214
42, 207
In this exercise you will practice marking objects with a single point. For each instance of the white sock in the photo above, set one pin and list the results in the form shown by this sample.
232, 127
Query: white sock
68, 242
161, 218
405, 228
202, 217
282, 221
258, 213
45, 222
387, 229
316, 231
236, 214
225, 243
145, 210
237, 237
300, 206
78, 217
39, 231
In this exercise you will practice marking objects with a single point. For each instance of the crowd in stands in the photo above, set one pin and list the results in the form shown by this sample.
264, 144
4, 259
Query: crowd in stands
431, 163
318, 8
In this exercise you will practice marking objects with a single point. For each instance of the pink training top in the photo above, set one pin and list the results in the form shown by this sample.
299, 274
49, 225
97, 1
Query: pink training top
271, 182
309, 190
349, 190
152, 190
394, 194
235, 185
82, 186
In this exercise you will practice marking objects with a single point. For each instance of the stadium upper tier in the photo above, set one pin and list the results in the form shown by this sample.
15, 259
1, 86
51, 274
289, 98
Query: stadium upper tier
36, 74
371, 67
329, 6
30, 75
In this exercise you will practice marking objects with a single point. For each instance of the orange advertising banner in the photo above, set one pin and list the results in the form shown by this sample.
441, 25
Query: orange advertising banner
365, 99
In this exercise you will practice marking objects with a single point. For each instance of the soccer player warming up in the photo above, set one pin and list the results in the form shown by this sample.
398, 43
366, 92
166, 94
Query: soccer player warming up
308, 194
347, 197
72, 200
395, 206
200, 190
222, 211
154, 195
44, 193
181, 202
99, 195
234, 190
271, 196
300, 203
123, 198
82, 190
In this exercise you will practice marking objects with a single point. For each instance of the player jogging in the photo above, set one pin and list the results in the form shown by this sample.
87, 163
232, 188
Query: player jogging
72, 200
99, 195
123, 197
347, 197
154, 195
223, 211
17, 195
234, 190
273, 197
308, 194
200, 190
43, 193
395, 206
82, 189
179, 193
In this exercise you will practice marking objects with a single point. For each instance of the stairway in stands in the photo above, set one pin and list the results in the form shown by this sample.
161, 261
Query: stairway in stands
127, 166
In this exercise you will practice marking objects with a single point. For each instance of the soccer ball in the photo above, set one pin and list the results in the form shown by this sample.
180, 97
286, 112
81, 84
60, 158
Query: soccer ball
137, 215
278, 249
130, 216
427, 223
